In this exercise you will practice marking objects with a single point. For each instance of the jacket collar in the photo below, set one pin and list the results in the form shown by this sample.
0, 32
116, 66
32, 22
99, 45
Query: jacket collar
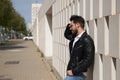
83, 35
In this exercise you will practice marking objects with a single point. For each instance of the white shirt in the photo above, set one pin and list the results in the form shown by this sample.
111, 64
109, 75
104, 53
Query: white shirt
77, 38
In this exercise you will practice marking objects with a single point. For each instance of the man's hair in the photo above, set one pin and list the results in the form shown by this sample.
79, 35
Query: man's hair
78, 19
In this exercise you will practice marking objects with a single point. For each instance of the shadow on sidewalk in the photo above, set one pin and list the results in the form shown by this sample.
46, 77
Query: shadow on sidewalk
12, 44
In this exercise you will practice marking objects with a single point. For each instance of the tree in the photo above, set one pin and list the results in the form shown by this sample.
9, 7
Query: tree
10, 18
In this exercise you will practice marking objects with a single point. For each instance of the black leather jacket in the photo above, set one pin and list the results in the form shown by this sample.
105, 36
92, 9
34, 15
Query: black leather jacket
82, 55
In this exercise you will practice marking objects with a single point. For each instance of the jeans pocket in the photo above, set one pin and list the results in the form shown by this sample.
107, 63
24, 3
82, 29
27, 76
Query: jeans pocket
81, 78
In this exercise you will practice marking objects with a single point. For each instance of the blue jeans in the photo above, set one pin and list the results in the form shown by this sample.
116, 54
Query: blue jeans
80, 77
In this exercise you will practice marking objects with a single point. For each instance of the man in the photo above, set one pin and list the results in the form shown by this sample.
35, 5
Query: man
81, 49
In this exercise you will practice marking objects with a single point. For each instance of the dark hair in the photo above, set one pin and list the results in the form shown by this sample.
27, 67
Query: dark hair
78, 19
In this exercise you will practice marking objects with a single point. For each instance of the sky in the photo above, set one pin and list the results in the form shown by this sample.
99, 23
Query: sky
24, 8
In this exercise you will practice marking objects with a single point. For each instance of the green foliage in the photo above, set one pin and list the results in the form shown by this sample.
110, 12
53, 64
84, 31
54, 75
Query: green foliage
11, 19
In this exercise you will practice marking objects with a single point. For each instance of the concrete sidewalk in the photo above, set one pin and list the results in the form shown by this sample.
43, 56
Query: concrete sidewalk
20, 60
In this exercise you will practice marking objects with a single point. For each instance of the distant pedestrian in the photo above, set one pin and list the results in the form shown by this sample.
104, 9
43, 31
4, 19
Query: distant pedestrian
81, 49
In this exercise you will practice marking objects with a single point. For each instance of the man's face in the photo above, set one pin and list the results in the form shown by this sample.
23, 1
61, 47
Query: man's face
73, 27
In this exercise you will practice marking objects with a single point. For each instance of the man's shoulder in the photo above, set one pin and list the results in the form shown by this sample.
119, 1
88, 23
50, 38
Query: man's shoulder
88, 38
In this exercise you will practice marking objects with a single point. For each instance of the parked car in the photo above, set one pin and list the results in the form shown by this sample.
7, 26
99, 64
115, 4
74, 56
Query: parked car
28, 38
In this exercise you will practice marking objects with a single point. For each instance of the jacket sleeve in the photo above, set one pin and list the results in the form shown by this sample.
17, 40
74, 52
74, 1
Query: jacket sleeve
69, 67
88, 58
68, 34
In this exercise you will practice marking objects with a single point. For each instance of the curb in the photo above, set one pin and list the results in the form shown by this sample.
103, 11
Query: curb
50, 70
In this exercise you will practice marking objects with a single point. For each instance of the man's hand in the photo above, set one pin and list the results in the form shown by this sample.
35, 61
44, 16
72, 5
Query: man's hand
69, 72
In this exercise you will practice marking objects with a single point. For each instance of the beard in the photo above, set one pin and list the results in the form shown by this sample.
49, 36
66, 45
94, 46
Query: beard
74, 32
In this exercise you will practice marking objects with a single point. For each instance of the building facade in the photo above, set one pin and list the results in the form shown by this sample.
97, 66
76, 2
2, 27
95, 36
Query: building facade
102, 24
35, 10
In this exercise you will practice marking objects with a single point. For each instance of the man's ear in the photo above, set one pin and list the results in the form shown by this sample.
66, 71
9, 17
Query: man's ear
78, 25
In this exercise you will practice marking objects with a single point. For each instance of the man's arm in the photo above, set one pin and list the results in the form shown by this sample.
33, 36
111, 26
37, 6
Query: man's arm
68, 34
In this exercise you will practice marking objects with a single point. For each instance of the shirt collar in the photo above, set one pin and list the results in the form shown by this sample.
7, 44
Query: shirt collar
78, 36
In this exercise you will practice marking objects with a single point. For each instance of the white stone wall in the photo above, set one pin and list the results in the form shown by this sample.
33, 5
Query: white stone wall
42, 30
103, 25
34, 33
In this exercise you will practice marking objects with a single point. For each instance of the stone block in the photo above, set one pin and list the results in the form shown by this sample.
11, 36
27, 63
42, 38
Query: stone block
89, 9
98, 67
109, 7
87, 27
114, 36
109, 69
77, 2
102, 36
93, 32
73, 8
118, 69
118, 6
82, 8
97, 8
87, 12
